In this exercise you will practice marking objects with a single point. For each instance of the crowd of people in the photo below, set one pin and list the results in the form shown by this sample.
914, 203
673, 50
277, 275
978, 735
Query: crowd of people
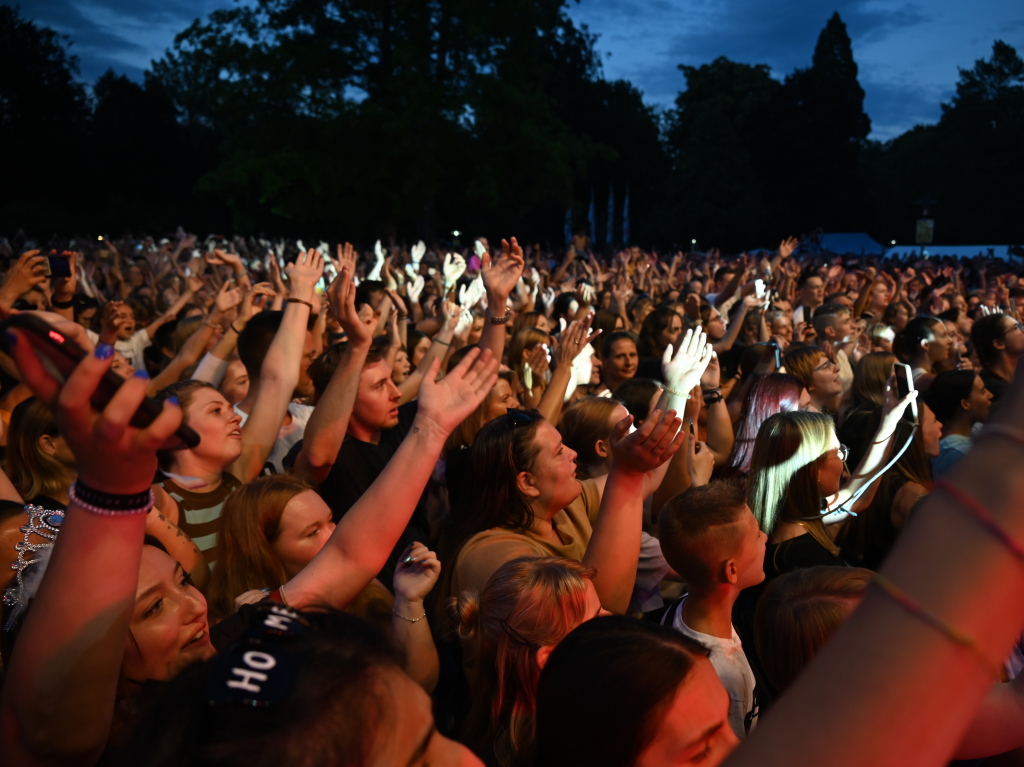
436, 506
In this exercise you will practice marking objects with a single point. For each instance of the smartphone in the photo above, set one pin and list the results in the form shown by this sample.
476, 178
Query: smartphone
60, 355
759, 288
778, 354
905, 384
59, 266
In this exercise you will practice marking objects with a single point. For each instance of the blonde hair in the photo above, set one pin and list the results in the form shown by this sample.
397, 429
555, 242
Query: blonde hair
783, 472
527, 604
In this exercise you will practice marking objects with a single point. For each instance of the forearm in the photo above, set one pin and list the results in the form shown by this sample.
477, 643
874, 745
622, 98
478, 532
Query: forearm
417, 642
366, 534
67, 661
551, 401
187, 356
720, 436
614, 547
735, 325
998, 724
493, 337
328, 423
170, 314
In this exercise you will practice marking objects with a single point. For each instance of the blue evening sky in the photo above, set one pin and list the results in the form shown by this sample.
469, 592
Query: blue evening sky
908, 53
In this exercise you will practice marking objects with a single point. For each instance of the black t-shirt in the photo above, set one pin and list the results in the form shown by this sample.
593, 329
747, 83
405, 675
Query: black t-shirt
994, 384
796, 554
357, 467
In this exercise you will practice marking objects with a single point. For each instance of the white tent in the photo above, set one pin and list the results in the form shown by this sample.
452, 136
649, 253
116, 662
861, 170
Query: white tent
851, 244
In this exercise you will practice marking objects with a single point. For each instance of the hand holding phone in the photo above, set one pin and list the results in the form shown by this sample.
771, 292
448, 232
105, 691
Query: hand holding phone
905, 384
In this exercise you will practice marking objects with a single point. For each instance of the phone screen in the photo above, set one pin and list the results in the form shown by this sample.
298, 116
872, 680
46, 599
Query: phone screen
905, 384
60, 266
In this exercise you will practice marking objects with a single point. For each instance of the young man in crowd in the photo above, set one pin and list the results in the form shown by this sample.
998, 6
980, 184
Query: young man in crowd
999, 342
959, 400
834, 324
711, 538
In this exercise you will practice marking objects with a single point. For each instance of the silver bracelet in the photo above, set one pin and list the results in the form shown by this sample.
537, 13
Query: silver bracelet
411, 620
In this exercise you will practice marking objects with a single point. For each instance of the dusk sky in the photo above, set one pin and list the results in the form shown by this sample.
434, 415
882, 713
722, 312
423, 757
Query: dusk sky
908, 53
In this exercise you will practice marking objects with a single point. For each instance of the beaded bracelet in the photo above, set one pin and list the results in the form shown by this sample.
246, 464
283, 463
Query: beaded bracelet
674, 393
108, 504
904, 600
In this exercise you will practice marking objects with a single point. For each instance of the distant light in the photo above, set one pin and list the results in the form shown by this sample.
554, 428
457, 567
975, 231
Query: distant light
456, 233
693, 242
894, 242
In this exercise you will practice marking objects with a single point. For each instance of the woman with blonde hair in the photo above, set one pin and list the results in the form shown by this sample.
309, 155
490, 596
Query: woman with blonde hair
507, 631
796, 486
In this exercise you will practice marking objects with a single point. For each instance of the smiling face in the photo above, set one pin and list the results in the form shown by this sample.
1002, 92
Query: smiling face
303, 530
825, 383
169, 626
695, 727
620, 362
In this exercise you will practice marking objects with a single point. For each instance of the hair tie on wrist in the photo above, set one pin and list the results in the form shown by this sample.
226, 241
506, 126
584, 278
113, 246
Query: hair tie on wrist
300, 301
232, 326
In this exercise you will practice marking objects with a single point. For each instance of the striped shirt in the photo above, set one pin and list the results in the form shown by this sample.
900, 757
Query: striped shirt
199, 513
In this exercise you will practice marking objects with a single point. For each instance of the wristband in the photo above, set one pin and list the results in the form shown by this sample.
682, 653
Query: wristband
713, 399
300, 301
498, 320
108, 504
232, 326
62, 304
439, 341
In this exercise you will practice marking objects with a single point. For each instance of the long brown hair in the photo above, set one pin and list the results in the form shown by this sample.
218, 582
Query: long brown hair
250, 521
582, 424
527, 604
32, 471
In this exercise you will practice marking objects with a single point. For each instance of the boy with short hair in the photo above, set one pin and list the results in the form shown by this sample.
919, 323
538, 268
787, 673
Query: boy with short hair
711, 538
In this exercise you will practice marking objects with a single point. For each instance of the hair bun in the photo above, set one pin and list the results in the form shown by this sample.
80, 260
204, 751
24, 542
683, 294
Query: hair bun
465, 611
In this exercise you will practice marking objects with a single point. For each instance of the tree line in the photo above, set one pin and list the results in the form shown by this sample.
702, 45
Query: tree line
370, 117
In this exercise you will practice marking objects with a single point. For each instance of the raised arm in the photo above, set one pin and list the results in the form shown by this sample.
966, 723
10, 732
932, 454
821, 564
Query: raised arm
365, 536
279, 374
572, 343
328, 423
614, 548
67, 660
500, 276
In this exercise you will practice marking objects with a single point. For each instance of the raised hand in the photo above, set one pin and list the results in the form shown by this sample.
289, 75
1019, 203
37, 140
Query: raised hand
414, 287
701, 463
223, 258
445, 404
227, 298
575, 340
787, 246
248, 306
415, 575
501, 274
27, 272
454, 267
655, 442
417, 252
112, 456
304, 273
470, 295
378, 252
683, 368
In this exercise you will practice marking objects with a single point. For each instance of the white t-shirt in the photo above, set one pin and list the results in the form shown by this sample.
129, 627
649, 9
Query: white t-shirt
132, 348
290, 434
732, 668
